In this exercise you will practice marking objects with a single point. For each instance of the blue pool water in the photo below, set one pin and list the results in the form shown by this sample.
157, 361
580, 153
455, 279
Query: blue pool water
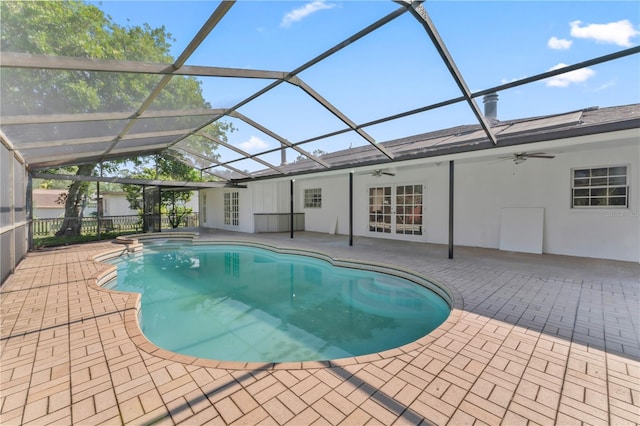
240, 303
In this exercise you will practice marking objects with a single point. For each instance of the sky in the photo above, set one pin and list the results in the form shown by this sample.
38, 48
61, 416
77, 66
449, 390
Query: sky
396, 68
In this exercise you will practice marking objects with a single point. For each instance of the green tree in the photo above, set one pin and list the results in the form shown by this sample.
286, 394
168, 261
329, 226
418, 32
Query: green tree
173, 204
317, 152
78, 29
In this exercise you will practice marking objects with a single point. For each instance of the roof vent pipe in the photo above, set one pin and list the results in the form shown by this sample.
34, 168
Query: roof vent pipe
491, 106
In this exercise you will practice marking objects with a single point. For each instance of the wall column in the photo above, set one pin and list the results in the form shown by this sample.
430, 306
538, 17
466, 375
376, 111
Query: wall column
451, 209
350, 208
291, 206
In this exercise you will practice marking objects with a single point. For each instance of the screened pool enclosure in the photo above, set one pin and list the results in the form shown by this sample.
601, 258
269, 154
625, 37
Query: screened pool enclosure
294, 91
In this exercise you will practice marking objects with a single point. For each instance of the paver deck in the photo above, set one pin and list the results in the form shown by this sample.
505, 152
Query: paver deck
532, 339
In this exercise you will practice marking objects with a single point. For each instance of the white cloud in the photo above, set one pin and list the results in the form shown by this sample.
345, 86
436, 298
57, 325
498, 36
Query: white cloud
559, 43
302, 12
619, 33
572, 77
505, 80
254, 144
605, 86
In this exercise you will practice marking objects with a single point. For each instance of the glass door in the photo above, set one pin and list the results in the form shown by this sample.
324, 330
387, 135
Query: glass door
408, 209
396, 210
380, 209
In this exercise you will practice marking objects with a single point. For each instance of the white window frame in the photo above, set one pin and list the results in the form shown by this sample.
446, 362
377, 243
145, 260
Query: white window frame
231, 208
313, 198
589, 184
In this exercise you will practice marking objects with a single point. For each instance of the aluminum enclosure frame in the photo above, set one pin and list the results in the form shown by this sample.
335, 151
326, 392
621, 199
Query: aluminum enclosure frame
127, 142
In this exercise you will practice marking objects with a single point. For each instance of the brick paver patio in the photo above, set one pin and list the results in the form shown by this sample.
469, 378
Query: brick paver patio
533, 339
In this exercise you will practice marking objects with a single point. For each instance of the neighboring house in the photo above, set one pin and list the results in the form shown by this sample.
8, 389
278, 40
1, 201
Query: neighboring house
46, 204
49, 204
565, 184
114, 203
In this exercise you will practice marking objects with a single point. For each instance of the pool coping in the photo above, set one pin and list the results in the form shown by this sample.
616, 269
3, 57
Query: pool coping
133, 305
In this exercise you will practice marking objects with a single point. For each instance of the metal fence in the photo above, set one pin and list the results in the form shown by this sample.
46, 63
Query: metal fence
118, 224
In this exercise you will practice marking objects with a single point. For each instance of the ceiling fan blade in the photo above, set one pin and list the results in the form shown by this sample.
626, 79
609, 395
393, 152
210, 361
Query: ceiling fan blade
540, 156
500, 160
370, 173
388, 173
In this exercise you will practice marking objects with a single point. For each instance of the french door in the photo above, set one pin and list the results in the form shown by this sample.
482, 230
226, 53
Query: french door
396, 209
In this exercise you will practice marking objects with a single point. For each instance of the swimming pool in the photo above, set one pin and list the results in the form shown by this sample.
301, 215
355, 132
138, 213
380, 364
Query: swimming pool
246, 303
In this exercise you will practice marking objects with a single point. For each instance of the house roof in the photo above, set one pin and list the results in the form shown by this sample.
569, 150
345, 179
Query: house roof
466, 138
47, 198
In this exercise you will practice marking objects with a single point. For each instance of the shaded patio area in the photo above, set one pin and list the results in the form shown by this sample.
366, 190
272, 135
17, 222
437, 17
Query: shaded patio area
532, 338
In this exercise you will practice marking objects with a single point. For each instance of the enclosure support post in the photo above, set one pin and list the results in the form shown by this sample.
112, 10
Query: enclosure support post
451, 209
29, 202
158, 205
98, 208
144, 209
98, 202
350, 208
291, 201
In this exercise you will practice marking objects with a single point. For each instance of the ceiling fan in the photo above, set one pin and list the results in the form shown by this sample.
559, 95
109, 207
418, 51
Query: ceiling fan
521, 157
380, 172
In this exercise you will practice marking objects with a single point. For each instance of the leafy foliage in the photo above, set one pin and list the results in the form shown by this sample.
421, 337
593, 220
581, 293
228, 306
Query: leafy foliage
75, 29
317, 152
78, 29
168, 168
55, 241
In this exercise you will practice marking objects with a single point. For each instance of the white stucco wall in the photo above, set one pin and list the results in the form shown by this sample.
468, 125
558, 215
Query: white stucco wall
48, 213
333, 215
58, 212
270, 196
116, 205
612, 233
434, 180
212, 216
483, 187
